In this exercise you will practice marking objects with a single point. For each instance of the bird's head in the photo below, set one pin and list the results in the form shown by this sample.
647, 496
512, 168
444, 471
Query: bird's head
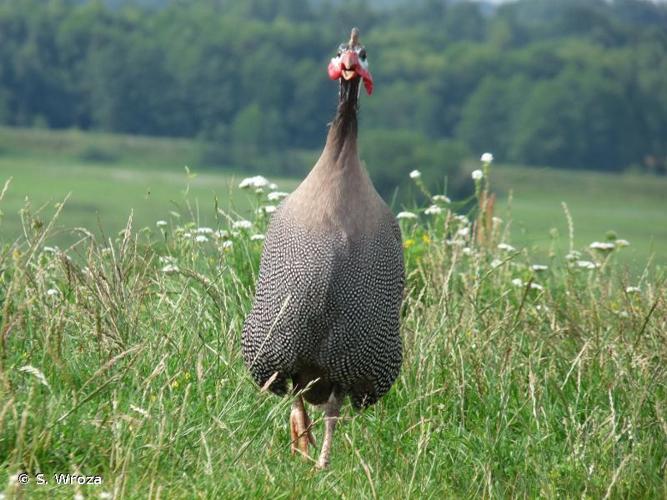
351, 63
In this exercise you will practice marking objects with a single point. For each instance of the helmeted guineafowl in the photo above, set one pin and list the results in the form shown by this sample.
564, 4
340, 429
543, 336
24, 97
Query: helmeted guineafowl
326, 309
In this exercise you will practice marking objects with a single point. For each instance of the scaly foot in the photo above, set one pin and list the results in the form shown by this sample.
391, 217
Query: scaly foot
300, 432
331, 416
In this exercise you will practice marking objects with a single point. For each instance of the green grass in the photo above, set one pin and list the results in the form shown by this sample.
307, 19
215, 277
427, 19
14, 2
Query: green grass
97, 147
633, 206
515, 382
110, 176
105, 196
507, 389
142, 176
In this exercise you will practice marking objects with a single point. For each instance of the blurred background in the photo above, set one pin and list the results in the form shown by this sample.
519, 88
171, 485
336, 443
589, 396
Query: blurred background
110, 100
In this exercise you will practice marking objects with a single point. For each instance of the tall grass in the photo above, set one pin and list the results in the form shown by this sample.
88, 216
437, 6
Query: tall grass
120, 357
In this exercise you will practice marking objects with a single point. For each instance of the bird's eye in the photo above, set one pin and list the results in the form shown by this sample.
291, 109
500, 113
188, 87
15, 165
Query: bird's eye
362, 54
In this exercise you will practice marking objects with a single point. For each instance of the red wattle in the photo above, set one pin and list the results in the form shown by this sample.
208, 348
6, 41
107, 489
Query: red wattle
367, 78
334, 71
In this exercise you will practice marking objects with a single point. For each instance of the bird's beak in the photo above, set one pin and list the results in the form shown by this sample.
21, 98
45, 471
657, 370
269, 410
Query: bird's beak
347, 66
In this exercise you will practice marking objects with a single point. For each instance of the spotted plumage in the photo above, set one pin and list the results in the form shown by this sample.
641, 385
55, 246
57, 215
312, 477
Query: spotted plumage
327, 303
326, 310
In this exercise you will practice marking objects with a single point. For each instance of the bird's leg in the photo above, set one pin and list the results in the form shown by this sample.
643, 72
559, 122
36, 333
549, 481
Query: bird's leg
331, 414
300, 428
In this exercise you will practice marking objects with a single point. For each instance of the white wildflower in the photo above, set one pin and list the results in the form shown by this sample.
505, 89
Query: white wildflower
406, 215
204, 230
269, 209
433, 210
170, 268
536, 286
441, 198
573, 255
622, 243
227, 244
496, 263
259, 190
242, 224
51, 249
463, 232
105, 495
257, 237
506, 247
497, 221
201, 238
140, 411
462, 219
624, 314
35, 372
467, 251
477, 174
53, 292
486, 158
539, 267
221, 233
602, 246
256, 182
277, 195
540, 307
161, 223
633, 289
78, 496
586, 264
415, 174
167, 259
273, 186
517, 282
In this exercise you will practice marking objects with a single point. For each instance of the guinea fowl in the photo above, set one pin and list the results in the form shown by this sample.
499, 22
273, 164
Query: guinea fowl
326, 309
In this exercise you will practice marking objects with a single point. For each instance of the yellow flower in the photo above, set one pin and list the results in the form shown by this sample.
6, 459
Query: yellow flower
174, 384
426, 239
408, 243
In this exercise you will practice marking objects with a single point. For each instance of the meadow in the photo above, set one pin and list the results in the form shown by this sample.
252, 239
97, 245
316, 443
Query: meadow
530, 370
110, 176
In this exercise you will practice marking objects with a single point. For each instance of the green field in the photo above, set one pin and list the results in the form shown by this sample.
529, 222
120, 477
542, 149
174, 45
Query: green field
111, 176
104, 196
632, 206
120, 358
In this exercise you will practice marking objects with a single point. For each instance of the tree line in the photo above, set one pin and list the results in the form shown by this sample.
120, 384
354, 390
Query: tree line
572, 84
